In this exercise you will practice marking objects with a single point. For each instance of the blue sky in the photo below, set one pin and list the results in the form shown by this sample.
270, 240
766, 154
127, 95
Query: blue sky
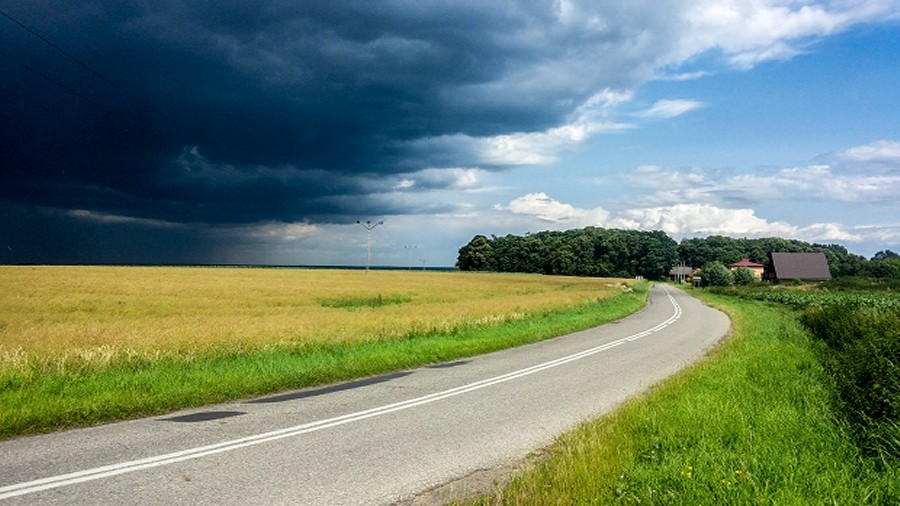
260, 132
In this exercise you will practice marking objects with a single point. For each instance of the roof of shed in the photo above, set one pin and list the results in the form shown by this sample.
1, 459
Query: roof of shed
804, 266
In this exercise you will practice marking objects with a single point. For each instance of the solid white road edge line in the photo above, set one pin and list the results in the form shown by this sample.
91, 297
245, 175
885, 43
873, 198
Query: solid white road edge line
96, 473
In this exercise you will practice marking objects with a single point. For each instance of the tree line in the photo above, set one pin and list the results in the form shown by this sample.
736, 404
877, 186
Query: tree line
590, 251
595, 251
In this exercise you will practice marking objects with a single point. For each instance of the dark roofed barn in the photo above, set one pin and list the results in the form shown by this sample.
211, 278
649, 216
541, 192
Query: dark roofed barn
802, 266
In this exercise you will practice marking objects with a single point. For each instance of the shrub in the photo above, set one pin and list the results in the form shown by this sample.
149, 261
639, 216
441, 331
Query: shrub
863, 356
743, 276
716, 274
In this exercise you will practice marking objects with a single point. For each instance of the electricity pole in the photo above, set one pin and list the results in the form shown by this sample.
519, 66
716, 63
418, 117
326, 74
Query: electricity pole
368, 225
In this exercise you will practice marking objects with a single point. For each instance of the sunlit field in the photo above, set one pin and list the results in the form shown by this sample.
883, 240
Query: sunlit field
87, 345
96, 314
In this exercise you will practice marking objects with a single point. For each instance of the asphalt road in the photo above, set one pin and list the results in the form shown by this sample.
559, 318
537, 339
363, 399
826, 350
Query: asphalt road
377, 441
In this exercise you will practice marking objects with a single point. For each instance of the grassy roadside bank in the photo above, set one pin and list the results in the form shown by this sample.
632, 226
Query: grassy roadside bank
37, 399
754, 423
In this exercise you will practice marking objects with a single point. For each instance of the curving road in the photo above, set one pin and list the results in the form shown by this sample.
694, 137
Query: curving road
377, 441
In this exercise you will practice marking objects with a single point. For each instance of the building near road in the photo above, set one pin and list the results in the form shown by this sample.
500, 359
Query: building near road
681, 273
755, 268
809, 267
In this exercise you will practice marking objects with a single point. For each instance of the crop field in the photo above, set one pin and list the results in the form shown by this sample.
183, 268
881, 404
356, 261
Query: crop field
93, 313
802, 299
84, 345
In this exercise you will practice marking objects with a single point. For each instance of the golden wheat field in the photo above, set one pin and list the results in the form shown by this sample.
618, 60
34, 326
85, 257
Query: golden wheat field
95, 312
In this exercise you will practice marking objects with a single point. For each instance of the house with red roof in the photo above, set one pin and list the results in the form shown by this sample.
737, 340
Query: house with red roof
755, 268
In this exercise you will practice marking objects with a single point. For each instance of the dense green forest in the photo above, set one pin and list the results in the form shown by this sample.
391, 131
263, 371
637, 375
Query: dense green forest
590, 251
594, 251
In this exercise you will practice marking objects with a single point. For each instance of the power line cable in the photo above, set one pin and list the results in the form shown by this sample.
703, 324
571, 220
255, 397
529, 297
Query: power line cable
65, 53
61, 85
99, 75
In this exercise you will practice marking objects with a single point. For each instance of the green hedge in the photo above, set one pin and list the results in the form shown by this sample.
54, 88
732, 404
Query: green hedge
863, 357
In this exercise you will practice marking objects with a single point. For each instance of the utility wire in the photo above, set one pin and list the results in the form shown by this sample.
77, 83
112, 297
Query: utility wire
90, 69
63, 51
60, 84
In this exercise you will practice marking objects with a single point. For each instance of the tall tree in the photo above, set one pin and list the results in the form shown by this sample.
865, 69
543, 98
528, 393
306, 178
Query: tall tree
478, 255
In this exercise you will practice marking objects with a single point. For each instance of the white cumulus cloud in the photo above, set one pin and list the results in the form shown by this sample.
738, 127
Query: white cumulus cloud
878, 151
679, 220
539, 148
755, 31
540, 205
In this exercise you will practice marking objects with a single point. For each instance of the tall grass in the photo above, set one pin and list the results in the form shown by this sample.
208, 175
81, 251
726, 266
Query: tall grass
863, 357
443, 317
95, 312
753, 423
859, 322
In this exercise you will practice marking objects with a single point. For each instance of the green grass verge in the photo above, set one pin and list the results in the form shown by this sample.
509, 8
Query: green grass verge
753, 423
35, 400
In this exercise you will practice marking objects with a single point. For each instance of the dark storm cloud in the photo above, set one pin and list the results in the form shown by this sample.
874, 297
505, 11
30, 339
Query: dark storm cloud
241, 111
166, 128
